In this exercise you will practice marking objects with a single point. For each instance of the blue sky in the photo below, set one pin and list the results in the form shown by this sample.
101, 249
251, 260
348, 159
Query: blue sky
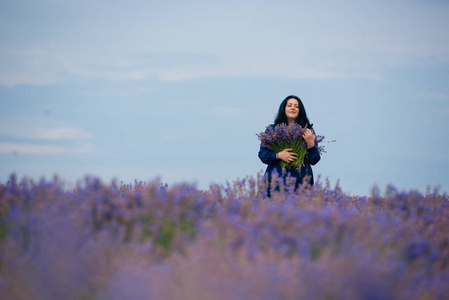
179, 89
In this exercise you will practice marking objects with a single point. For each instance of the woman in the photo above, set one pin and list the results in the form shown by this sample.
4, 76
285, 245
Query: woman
292, 110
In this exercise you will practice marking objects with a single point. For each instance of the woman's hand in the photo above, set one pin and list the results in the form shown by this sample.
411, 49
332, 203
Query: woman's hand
309, 137
286, 155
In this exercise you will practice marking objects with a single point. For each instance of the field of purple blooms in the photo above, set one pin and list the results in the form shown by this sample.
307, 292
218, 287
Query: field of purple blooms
151, 241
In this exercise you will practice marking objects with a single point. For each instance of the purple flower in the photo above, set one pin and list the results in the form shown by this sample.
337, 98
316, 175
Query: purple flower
284, 136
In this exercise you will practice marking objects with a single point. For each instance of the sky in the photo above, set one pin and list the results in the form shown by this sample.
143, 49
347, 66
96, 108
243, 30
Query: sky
177, 90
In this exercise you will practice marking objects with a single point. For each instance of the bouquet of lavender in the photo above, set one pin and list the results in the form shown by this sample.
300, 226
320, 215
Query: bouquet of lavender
287, 137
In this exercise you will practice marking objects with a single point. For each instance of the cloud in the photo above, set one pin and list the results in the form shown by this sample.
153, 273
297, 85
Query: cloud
299, 39
169, 134
43, 65
36, 138
433, 96
44, 133
27, 148
62, 133
228, 112
247, 68
185, 133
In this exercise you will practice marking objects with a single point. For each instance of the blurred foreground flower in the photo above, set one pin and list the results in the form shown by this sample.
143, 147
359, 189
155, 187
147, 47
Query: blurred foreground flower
148, 240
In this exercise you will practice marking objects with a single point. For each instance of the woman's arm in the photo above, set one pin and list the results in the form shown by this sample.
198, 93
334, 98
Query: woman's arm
309, 137
267, 156
313, 156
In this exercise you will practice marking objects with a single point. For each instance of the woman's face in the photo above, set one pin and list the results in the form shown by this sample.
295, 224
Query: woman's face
292, 109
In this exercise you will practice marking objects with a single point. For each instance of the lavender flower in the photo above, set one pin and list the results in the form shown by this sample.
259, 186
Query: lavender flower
151, 241
284, 136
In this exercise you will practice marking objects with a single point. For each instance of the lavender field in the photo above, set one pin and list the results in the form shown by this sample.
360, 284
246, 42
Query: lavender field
147, 240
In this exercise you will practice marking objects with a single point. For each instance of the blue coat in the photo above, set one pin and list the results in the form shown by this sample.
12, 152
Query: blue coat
268, 157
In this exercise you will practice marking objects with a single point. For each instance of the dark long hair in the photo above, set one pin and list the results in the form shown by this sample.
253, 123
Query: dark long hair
301, 119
